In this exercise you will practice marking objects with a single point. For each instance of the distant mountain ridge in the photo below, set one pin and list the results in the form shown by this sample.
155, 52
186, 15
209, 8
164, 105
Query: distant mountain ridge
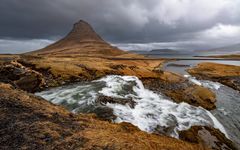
157, 51
234, 49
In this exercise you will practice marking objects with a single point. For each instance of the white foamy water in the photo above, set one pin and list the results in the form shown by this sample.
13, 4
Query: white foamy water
204, 83
152, 112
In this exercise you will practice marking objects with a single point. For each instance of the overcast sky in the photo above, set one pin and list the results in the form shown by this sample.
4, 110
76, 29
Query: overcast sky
130, 24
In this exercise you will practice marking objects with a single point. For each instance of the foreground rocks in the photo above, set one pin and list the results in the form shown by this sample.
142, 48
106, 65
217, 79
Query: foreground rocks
21, 77
228, 75
208, 137
30, 122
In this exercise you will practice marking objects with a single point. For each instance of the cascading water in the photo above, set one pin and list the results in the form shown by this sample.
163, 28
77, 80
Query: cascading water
152, 112
228, 99
228, 105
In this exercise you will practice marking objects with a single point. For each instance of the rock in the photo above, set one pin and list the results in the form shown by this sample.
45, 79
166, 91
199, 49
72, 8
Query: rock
208, 137
30, 83
104, 113
105, 99
21, 77
228, 75
181, 90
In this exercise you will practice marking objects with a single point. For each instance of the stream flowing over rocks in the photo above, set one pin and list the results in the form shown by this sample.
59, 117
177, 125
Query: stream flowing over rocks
227, 98
124, 99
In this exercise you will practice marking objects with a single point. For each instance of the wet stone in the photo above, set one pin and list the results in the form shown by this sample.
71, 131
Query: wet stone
105, 99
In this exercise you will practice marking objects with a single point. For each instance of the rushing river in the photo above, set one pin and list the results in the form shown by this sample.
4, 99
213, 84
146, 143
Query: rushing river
152, 112
228, 100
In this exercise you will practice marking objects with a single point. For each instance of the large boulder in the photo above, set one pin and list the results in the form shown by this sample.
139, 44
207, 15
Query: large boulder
21, 76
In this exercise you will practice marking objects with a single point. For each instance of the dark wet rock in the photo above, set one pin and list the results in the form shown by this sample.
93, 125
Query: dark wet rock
123, 101
231, 81
169, 128
208, 137
104, 113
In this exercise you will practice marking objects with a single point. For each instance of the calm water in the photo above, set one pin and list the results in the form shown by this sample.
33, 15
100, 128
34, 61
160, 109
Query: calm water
170, 66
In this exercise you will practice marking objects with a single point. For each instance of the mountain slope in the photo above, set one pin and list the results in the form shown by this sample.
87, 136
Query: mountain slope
81, 40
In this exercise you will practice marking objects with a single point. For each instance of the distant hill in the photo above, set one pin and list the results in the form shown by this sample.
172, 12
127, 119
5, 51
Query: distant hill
163, 51
157, 52
81, 40
231, 49
139, 52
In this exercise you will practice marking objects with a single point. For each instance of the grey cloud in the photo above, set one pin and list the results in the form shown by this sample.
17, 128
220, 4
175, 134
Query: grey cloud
121, 21
21, 46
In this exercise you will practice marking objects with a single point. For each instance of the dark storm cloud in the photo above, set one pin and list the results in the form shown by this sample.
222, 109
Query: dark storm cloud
123, 21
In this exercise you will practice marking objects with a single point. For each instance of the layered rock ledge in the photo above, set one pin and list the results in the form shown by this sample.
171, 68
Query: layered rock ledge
228, 75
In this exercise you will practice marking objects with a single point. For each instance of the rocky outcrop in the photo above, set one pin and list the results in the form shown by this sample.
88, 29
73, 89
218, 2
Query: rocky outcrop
208, 137
30, 122
228, 75
180, 89
21, 77
105, 99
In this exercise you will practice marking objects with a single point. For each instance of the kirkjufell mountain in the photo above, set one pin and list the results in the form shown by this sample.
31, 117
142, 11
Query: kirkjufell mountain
81, 40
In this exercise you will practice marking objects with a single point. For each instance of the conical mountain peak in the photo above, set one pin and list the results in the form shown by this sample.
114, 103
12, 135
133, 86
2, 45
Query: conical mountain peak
82, 31
81, 40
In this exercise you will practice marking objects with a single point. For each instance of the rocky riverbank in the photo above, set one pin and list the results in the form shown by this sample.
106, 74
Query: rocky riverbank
30, 122
226, 74
31, 73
